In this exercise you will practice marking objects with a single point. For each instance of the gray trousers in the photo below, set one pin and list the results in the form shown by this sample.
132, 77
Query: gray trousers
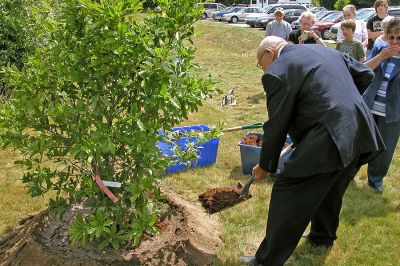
379, 167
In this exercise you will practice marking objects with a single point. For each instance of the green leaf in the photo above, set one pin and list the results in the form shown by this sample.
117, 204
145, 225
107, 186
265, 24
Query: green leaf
140, 125
164, 91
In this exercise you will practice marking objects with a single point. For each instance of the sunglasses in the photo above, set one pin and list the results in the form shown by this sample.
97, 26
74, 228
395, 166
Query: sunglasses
392, 38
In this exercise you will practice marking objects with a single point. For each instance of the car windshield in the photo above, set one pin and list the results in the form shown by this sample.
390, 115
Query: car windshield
267, 9
365, 14
331, 17
236, 9
320, 14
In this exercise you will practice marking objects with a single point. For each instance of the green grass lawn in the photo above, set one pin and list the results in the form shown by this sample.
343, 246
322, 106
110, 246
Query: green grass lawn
369, 232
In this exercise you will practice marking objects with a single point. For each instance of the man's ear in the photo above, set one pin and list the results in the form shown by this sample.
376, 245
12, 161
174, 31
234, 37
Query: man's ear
270, 52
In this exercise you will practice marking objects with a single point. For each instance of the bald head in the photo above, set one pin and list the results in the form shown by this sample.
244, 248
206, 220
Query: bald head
271, 42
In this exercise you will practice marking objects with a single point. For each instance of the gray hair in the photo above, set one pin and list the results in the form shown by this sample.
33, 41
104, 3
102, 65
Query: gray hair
350, 8
269, 42
309, 15
385, 22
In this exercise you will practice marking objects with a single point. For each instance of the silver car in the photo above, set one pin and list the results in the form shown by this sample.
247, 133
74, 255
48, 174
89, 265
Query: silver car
217, 15
209, 8
240, 15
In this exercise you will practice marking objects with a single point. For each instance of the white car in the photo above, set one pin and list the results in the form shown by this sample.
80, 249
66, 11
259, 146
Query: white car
240, 15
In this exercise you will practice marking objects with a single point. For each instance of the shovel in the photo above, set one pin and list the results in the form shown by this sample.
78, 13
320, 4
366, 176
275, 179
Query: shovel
256, 125
217, 199
244, 192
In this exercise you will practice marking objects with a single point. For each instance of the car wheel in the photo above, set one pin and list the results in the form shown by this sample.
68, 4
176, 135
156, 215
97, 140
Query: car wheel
234, 19
204, 16
252, 26
325, 34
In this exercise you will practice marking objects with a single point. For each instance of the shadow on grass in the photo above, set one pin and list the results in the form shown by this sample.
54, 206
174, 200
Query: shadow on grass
307, 254
360, 201
236, 173
255, 99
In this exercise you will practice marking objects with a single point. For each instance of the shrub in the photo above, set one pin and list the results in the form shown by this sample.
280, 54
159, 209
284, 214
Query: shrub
91, 102
339, 4
15, 36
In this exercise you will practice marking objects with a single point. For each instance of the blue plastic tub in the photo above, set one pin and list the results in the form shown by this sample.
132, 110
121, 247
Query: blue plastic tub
250, 156
207, 151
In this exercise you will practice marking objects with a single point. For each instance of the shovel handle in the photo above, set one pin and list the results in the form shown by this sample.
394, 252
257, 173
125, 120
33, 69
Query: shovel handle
245, 189
256, 125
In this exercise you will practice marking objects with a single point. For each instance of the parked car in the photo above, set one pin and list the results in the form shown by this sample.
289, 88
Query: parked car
209, 8
318, 16
325, 24
364, 14
268, 12
263, 22
240, 15
292, 15
317, 9
217, 15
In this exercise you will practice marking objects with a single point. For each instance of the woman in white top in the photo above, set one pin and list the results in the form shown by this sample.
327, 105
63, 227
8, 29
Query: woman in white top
361, 33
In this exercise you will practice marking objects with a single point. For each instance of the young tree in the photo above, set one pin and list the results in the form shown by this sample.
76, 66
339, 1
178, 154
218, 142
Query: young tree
91, 102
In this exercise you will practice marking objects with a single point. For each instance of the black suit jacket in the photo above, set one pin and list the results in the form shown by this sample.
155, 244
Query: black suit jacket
313, 94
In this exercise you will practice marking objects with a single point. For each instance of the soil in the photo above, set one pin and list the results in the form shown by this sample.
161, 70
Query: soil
217, 199
255, 140
189, 236
252, 140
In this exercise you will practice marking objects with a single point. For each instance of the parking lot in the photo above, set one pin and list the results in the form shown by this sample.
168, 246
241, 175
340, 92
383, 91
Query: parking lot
244, 25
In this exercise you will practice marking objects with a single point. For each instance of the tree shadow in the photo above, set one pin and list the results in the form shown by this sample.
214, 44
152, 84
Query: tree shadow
360, 201
255, 99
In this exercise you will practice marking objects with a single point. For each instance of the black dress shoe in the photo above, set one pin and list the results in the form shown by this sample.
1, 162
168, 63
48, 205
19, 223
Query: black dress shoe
250, 260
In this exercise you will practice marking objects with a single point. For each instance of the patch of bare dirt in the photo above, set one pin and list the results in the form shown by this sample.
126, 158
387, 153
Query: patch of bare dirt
217, 199
188, 236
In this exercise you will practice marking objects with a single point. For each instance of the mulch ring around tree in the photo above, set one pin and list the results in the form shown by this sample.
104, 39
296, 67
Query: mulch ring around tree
188, 236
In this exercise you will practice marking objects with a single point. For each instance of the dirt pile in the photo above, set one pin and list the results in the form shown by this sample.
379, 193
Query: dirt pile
217, 199
188, 236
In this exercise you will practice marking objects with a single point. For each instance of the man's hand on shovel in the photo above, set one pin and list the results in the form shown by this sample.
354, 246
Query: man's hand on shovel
259, 173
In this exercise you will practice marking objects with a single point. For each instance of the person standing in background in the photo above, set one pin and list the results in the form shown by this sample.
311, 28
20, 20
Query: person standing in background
278, 27
382, 40
374, 25
361, 32
305, 35
349, 45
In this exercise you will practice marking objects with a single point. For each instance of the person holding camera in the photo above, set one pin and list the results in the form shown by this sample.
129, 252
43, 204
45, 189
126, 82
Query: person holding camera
304, 35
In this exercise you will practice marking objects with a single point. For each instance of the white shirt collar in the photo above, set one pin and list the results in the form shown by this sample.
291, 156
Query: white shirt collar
279, 51
279, 54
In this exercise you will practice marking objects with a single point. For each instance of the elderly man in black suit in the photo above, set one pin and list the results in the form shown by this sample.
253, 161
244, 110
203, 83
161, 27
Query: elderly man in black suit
313, 94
